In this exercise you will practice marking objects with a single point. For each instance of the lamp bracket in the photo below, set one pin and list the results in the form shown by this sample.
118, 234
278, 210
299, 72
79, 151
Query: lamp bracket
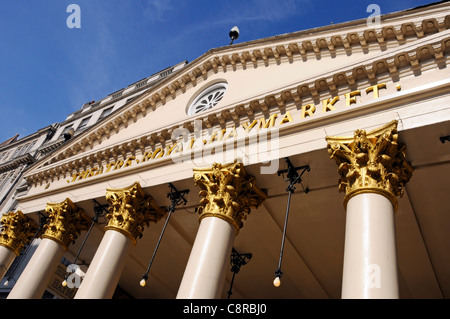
177, 197
291, 175
238, 260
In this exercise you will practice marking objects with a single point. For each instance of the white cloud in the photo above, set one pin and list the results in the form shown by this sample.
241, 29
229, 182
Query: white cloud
272, 10
159, 10
224, 15
266, 10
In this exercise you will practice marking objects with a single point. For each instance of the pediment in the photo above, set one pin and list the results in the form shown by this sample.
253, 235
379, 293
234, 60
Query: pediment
262, 77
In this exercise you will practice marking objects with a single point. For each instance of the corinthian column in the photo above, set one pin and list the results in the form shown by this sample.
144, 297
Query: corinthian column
373, 170
129, 212
64, 223
228, 194
17, 231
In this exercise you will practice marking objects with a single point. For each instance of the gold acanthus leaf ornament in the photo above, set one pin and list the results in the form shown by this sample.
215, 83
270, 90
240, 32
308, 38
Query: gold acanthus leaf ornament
65, 222
371, 162
17, 230
227, 192
130, 210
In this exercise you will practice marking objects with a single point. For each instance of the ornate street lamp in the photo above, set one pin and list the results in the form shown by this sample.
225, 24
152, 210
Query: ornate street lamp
292, 177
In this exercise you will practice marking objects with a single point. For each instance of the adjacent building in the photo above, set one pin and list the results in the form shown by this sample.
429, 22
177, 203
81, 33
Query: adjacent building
16, 155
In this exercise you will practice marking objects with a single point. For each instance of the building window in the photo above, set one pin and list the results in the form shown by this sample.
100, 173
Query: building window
5, 177
131, 99
24, 149
208, 98
2, 179
141, 84
16, 152
166, 73
84, 123
105, 113
66, 130
116, 95
31, 146
6, 155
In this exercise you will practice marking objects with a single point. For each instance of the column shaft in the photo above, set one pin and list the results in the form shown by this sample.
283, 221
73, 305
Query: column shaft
7, 257
40, 269
370, 261
104, 272
205, 272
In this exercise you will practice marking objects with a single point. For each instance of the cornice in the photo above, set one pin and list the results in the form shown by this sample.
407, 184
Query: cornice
16, 162
411, 55
29, 138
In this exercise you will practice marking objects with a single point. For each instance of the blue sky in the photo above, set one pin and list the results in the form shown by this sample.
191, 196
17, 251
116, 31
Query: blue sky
48, 70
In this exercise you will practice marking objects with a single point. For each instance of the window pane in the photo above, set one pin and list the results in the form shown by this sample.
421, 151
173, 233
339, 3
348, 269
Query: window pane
105, 113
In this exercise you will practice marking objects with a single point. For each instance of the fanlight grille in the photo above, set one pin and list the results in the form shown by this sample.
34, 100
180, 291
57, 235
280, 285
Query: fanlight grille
208, 99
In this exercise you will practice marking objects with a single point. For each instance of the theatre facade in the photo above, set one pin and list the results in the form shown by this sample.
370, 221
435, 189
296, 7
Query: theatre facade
313, 164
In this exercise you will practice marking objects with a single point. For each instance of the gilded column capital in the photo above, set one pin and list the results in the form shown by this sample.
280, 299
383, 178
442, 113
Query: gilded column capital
227, 192
131, 210
17, 231
371, 162
65, 222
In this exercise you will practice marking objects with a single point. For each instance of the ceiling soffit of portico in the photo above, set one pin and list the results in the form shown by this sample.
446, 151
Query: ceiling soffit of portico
432, 41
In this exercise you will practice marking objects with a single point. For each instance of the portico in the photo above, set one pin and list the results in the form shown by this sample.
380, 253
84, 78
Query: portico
365, 113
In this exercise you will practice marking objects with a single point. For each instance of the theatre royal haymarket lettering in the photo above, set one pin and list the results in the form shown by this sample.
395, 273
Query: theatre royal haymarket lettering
224, 135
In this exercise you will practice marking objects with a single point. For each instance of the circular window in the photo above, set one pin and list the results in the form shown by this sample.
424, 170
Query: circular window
208, 98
